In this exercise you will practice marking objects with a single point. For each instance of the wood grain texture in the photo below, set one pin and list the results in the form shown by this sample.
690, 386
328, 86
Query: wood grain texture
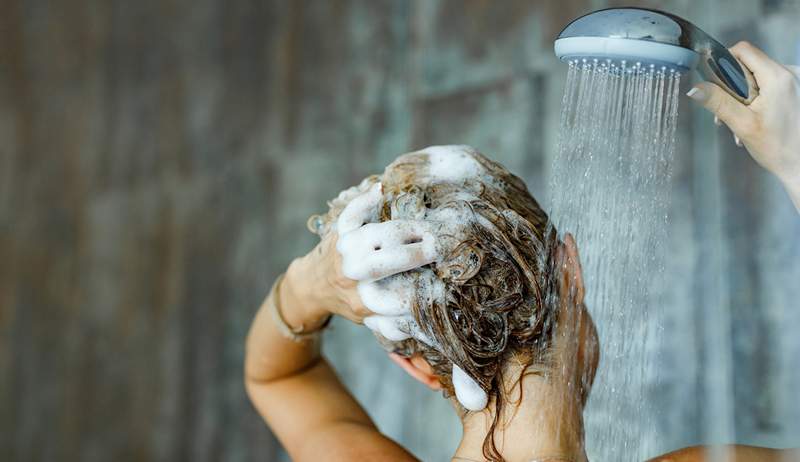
158, 161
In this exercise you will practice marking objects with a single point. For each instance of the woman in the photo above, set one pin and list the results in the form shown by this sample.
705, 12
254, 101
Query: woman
465, 283
515, 373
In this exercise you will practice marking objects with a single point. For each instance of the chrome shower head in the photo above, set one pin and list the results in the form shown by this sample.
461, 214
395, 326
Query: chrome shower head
641, 35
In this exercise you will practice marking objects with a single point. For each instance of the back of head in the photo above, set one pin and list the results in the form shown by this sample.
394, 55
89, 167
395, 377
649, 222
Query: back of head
497, 294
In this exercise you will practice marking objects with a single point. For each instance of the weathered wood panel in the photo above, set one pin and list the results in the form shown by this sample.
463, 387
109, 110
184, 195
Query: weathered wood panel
158, 161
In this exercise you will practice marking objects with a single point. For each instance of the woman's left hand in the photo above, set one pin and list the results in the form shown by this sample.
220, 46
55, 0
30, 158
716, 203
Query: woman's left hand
315, 287
357, 249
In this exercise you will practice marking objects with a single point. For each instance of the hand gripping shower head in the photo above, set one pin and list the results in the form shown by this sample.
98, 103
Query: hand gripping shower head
645, 36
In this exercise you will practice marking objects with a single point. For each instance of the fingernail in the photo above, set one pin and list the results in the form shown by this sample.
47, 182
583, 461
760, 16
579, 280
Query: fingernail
697, 94
737, 140
717, 122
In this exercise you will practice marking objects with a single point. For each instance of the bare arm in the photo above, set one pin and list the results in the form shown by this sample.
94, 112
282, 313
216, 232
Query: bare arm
290, 384
293, 387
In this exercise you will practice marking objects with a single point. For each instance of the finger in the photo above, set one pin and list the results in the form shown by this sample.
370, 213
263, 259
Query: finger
399, 328
362, 209
761, 65
378, 250
736, 115
387, 327
390, 299
572, 276
468, 391
377, 236
356, 306
394, 295
572, 249
394, 328
386, 262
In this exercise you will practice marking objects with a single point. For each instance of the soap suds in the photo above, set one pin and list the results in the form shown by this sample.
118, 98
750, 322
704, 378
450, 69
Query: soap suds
377, 250
361, 209
468, 392
398, 328
394, 328
452, 163
389, 257
392, 296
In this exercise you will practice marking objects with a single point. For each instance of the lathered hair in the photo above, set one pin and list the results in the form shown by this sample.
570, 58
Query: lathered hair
498, 271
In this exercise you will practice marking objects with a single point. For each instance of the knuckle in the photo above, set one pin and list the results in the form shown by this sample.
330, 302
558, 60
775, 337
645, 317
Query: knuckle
363, 312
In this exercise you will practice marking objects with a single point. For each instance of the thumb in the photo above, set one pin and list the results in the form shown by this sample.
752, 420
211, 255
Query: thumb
736, 115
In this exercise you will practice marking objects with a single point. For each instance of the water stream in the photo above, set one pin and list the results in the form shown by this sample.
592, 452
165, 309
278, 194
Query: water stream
610, 187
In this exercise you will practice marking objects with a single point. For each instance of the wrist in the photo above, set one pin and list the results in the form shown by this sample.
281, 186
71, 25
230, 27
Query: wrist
297, 298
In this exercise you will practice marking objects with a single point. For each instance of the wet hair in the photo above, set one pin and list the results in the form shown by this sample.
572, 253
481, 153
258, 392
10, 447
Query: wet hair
498, 271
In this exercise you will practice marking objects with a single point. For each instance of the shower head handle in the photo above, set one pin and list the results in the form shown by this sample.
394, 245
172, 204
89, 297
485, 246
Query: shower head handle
620, 31
718, 65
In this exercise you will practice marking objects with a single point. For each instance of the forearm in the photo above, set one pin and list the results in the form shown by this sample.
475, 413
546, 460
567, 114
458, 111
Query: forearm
269, 354
289, 383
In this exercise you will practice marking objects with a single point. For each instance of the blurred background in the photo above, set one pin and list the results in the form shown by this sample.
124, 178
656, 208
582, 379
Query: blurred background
159, 159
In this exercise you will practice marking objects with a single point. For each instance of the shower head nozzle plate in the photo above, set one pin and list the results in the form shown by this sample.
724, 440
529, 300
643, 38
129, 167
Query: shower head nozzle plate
631, 51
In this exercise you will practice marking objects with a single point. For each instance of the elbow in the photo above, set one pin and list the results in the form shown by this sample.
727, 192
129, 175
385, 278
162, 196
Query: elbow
258, 372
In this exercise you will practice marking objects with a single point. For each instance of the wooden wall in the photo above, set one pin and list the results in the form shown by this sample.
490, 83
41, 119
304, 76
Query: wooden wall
158, 160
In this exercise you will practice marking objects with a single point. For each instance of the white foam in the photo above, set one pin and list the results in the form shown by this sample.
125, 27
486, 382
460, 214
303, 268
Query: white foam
389, 296
378, 250
363, 208
398, 328
350, 193
455, 218
380, 255
394, 328
452, 163
393, 295
468, 392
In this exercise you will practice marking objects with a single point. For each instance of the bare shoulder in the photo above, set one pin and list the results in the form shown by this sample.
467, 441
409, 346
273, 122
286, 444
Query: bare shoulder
352, 441
738, 453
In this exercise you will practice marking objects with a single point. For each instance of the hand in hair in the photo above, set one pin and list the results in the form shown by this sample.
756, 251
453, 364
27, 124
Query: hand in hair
360, 249
294, 388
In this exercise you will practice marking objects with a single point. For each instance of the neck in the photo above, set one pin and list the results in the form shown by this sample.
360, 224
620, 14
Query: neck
546, 425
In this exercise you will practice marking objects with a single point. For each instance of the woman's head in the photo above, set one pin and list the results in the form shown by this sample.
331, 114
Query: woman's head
492, 295
496, 263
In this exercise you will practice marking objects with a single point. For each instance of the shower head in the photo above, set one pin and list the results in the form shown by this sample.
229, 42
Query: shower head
645, 36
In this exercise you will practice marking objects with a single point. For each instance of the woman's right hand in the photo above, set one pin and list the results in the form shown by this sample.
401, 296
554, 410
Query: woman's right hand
770, 126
